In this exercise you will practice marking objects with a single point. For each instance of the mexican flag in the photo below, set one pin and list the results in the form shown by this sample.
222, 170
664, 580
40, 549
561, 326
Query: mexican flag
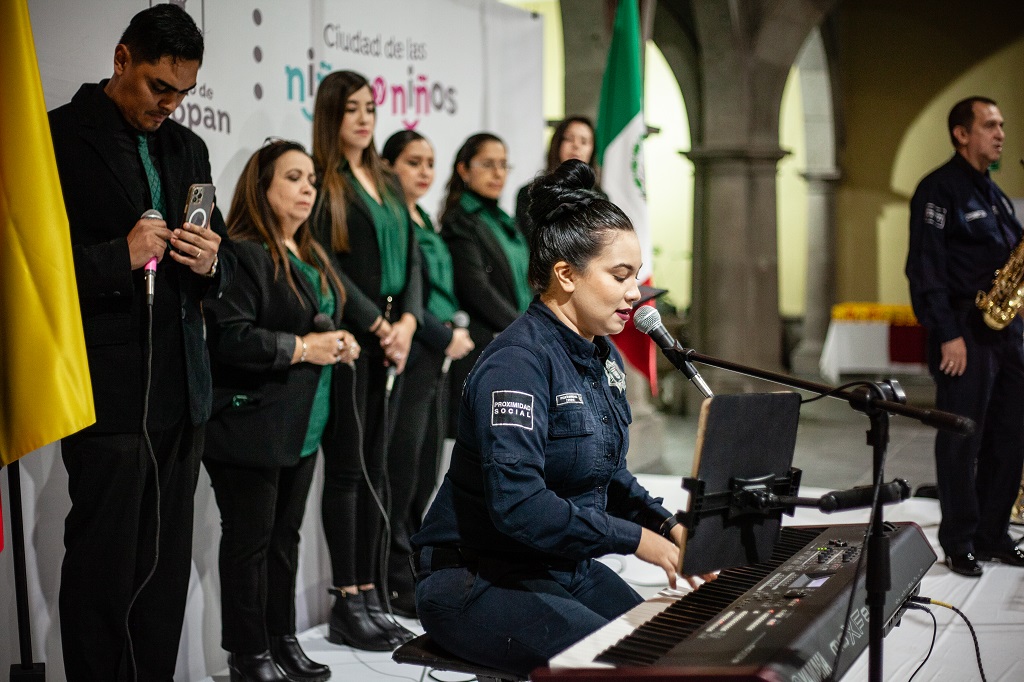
619, 147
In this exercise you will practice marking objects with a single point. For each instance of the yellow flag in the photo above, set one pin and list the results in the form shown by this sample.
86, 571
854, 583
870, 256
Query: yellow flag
45, 392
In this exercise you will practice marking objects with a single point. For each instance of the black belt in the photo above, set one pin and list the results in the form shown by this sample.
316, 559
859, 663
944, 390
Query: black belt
441, 558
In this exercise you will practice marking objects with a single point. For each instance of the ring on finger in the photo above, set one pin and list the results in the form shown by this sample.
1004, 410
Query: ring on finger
199, 252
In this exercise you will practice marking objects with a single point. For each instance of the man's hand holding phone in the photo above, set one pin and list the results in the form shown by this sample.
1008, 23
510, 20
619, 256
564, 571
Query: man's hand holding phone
193, 245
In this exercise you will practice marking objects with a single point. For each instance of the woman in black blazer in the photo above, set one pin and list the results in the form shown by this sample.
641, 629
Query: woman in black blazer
490, 255
361, 219
438, 341
274, 354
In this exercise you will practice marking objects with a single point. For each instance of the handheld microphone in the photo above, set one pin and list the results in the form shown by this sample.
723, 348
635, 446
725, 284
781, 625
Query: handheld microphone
149, 273
647, 319
389, 383
460, 320
324, 323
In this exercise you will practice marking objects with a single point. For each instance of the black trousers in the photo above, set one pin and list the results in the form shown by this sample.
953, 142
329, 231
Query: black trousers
261, 511
412, 463
979, 475
350, 508
110, 546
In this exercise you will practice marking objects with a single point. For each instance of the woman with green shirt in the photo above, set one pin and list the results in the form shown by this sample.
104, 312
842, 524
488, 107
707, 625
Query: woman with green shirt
362, 220
412, 466
490, 255
273, 363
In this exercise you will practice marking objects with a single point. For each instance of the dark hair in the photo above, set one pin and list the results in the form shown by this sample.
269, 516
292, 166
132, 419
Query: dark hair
397, 143
328, 111
571, 222
456, 186
251, 218
559, 136
164, 29
962, 114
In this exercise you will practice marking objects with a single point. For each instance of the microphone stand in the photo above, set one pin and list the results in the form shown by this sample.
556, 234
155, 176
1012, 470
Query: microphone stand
892, 400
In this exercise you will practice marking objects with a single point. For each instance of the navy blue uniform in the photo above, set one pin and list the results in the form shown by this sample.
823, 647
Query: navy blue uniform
962, 229
537, 488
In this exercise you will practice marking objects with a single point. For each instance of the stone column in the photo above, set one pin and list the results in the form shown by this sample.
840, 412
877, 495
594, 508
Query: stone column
736, 308
821, 285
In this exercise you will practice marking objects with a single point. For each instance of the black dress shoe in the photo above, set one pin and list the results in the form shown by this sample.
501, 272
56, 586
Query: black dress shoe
1012, 556
293, 660
397, 634
255, 668
351, 625
964, 564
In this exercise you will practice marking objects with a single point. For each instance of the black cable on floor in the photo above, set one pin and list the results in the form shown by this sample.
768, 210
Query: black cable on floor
935, 631
974, 635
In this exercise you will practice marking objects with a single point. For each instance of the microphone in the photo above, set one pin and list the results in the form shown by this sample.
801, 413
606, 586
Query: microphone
391, 372
647, 319
862, 496
323, 323
149, 271
460, 320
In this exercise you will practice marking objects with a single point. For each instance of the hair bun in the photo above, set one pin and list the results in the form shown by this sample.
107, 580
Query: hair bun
561, 192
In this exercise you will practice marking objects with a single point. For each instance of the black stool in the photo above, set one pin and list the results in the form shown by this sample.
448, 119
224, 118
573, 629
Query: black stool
424, 652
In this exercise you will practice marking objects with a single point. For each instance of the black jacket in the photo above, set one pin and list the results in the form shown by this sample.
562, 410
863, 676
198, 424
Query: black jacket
361, 266
261, 402
101, 212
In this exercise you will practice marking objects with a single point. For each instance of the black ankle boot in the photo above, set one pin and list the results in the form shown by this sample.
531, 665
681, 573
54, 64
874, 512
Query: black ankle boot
293, 660
255, 668
397, 634
404, 604
351, 625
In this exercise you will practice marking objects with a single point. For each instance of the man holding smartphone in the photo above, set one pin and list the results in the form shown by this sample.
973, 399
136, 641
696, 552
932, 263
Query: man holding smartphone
132, 475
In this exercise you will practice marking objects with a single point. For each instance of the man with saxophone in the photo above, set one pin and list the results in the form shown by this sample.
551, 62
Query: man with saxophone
963, 229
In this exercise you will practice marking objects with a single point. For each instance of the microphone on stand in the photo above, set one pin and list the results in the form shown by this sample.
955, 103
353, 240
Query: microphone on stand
323, 323
149, 273
460, 320
647, 319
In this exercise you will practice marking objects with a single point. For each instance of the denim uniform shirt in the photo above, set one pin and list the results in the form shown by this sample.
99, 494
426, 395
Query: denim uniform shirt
962, 229
538, 472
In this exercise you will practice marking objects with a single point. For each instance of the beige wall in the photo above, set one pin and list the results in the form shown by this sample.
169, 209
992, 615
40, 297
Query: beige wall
791, 206
901, 64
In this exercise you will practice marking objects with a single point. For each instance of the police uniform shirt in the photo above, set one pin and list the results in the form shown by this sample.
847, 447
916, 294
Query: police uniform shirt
962, 229
538, 472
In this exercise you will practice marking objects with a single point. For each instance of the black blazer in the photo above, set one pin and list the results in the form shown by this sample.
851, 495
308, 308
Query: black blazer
484, 284
101, 213
261, 401
361, 265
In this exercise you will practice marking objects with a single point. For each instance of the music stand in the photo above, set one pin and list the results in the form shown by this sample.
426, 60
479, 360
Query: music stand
745, 446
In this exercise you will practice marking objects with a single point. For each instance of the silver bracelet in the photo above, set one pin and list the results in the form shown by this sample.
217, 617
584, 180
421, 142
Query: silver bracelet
302, 358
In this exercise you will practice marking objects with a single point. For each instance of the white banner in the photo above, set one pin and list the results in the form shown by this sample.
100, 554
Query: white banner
434, 66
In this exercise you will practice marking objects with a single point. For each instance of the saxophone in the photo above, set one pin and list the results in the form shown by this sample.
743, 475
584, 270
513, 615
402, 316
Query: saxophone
1004, 300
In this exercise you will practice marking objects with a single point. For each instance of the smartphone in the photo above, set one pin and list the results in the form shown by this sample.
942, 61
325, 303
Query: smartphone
199, 204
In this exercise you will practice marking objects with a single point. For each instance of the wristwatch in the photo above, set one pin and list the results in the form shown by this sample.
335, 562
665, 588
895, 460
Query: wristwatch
665, 529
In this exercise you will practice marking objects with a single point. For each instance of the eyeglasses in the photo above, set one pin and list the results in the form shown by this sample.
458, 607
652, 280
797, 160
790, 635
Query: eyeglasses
492, 165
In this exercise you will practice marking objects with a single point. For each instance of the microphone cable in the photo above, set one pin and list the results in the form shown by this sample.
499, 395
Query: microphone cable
974, 635
156, 475
935, 631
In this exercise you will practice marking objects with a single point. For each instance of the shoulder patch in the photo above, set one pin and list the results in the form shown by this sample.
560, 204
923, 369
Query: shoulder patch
568, 399
975, 215
934, 215
512, 408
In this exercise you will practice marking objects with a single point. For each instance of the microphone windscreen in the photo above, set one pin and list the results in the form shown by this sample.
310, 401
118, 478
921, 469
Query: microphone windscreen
154, 214
646, 318
323, 323
460, 319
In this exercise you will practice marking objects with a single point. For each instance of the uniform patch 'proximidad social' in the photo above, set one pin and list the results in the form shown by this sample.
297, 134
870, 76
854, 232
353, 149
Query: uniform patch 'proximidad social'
512, 408
568, 399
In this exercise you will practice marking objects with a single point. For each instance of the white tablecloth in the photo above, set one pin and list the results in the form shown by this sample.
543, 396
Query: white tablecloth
860, 348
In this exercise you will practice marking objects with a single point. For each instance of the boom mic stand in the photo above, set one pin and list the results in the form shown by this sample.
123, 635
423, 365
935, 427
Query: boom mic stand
890, 399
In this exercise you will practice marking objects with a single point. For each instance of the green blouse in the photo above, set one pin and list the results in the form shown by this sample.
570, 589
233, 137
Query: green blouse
391, 222
441, 300
322, 400
512, 242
